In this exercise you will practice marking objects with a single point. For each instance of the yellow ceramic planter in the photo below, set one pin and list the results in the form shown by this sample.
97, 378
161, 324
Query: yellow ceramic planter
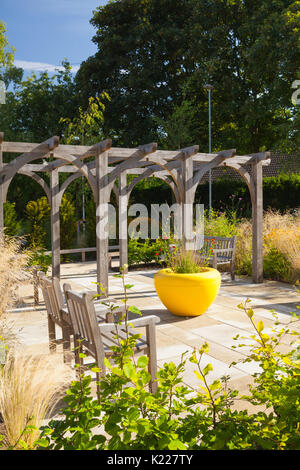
187, 295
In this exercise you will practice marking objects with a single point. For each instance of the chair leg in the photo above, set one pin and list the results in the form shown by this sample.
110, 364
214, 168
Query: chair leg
52, 335
214, 261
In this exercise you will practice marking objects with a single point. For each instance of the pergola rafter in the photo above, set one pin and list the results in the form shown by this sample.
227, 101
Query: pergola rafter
107, 171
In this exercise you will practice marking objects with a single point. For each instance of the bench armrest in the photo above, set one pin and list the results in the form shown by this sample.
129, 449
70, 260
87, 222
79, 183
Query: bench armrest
139, 322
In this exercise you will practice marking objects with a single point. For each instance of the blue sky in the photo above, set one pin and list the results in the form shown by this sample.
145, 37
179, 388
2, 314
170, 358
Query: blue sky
44, 32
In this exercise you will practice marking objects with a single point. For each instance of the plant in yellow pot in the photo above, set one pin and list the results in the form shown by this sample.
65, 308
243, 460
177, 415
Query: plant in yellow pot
187, 286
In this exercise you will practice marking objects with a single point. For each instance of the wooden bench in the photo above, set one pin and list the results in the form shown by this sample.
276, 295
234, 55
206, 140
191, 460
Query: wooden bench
113, 252
223, 252
98, 339
57, 313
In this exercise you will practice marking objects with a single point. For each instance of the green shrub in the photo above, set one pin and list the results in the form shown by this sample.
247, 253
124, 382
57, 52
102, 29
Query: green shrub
67, 215
11, 223
280, 193
220, 224
90, 225
40, 259
276, 266
37, 212
146, 251
38, 215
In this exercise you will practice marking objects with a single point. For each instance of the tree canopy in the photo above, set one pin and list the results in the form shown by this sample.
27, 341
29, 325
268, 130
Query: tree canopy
38, 95
154, 56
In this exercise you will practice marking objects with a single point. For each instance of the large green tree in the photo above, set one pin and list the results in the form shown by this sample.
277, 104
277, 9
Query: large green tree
140, 62
154, 56
35, 105
32, 113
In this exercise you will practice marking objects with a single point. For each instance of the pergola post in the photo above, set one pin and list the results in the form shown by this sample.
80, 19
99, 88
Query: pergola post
257, 223
102, 232
187, 204
55, 223
123, 232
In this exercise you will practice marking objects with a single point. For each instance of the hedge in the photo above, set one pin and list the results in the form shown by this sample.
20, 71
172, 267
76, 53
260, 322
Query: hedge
280, 192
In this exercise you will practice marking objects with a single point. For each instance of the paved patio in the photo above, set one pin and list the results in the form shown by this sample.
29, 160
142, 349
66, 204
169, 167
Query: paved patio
176, 335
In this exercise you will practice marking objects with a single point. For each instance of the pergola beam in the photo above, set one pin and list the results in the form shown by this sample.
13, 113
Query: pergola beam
182, 169
47, 167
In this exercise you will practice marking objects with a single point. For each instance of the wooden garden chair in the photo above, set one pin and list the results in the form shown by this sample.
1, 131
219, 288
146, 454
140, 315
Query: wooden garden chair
223, 252
97, 339
58, 314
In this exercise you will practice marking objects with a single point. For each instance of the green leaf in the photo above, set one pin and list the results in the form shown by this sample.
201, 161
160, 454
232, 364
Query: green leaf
129, 370
250, 312
198, 375
260, 326
107, 363
142, 361
176, 444
207, 369
135, 310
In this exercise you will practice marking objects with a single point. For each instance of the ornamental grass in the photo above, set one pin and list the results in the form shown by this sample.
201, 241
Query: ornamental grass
281, 246
30, 387
13, 262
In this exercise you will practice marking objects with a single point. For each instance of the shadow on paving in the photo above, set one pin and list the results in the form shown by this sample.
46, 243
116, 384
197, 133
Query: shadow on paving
285, 307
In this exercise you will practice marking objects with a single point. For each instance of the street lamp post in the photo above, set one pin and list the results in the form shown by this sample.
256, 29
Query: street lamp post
209, 88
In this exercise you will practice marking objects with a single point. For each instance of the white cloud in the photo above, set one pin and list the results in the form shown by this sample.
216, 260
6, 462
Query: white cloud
41, 66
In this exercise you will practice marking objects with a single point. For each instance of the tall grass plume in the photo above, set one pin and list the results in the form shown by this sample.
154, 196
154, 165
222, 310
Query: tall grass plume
30, 387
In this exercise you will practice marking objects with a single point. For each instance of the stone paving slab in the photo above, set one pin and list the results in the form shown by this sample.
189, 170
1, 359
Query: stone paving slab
176, 335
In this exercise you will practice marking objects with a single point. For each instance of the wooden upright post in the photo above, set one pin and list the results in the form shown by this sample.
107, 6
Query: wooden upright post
123, 232
55, 223
257, 223
102, 232
187, 203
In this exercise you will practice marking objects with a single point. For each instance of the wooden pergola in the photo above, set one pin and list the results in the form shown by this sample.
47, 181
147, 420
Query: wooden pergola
107, 171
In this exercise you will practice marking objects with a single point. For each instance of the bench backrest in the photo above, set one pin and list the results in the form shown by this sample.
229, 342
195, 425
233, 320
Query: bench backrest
219, 243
